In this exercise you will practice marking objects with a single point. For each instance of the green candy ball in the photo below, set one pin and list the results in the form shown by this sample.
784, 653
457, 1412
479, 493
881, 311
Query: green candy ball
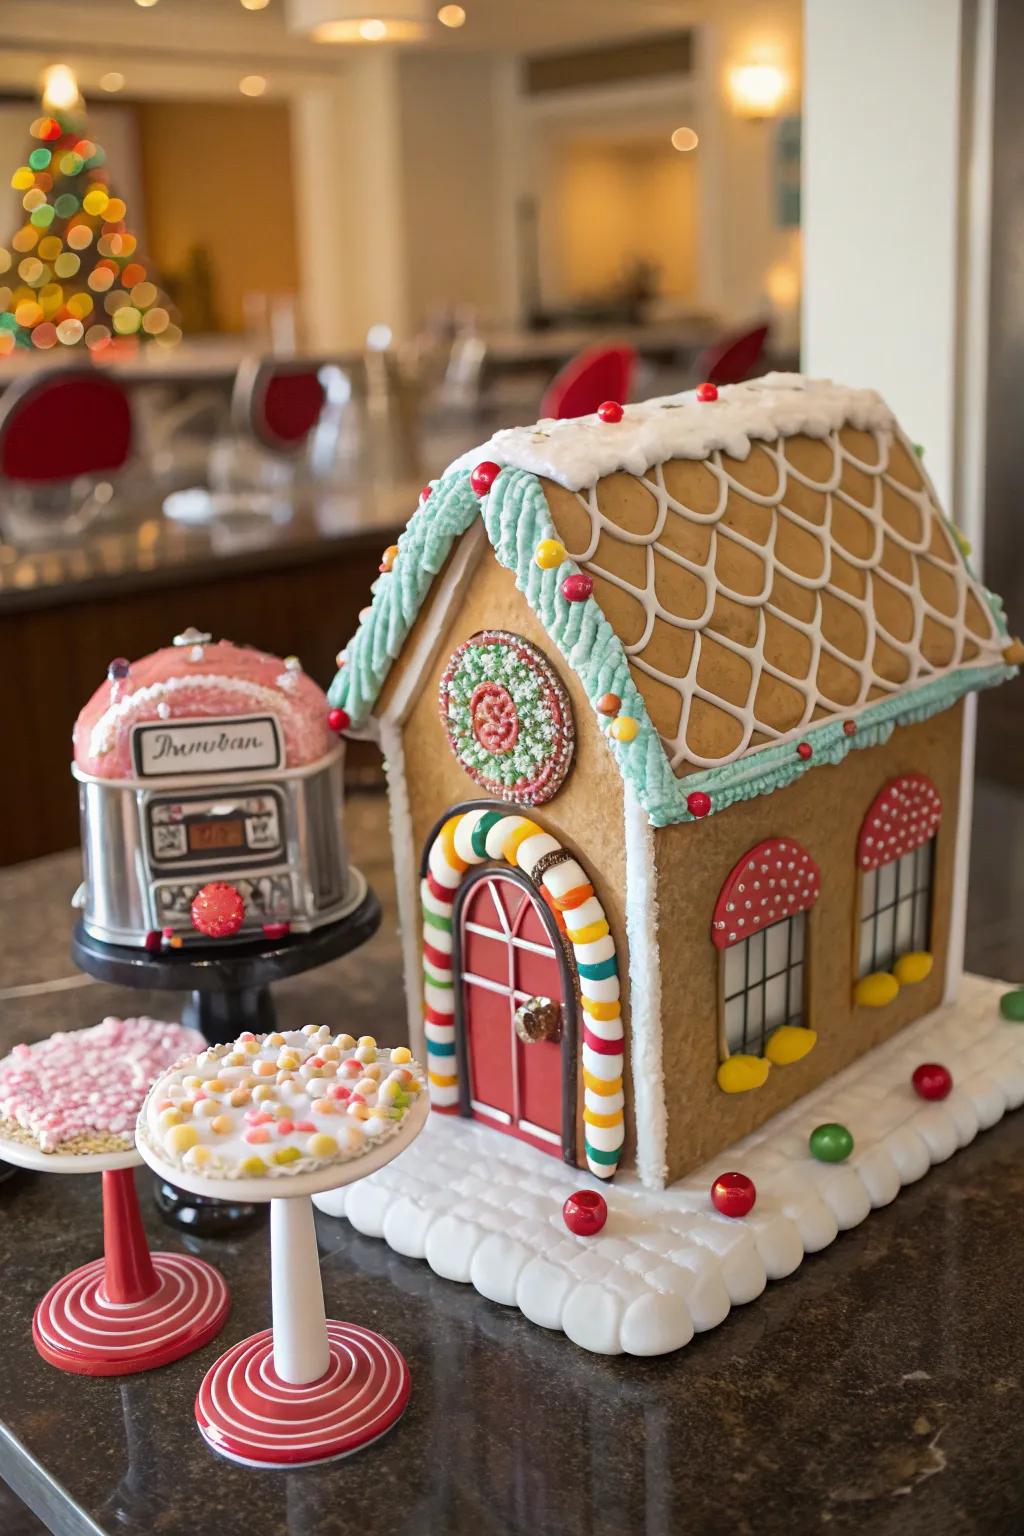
1011, 1006
830, 1143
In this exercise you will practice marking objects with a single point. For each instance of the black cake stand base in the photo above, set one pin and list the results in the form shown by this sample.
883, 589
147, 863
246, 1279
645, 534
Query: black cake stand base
229, 991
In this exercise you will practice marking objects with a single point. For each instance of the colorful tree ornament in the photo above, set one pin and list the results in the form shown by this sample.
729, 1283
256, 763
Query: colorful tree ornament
508, 717
585, 1212
733, 1194
75, 232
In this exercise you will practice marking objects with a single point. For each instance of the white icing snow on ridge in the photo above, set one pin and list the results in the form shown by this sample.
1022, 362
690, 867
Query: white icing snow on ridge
483, 1208
579, 452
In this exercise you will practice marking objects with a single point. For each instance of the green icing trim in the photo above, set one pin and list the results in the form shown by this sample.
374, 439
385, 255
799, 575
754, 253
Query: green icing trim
516, 517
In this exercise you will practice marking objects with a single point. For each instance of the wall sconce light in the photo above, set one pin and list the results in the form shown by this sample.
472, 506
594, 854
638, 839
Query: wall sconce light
756, 90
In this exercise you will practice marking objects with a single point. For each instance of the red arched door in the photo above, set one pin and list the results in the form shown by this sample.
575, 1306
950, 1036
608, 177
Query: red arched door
508, 953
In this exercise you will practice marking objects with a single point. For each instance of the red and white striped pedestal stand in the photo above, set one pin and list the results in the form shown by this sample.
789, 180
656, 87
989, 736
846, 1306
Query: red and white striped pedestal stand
131, 1310
307, 1390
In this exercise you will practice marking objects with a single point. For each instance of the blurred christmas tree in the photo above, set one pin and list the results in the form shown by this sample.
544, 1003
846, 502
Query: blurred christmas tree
71, 275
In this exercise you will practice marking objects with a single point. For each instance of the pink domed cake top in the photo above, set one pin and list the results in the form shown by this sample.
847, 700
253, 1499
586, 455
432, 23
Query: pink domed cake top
194, 679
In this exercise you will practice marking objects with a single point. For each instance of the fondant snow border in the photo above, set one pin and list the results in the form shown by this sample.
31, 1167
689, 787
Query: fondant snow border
486, 1209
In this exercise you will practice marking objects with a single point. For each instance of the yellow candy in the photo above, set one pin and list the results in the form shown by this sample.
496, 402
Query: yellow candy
373, 1071
250, 1047
169, 1117
356, 1137
288, 1154
252, 1167
264, 1068
740, 1073
380, 1113
330, 1053
207, 1108
344, 1042
366, 1053
239, 1097
193, 1084
324, 1107
275, 1039
412, 1086
623, 728
358, 1112
549, 554
321, 1145
366, 1086
367, 1040
216, 1086
309, 1029
914, 967
196, 1157
180, 1138
876, 990
388, 1091
788, 1044
223, 1125
401, 1054
235, 1059
262, 1093
288, 1061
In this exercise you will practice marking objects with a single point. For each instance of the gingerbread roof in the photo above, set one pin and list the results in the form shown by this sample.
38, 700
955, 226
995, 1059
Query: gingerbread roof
772, 580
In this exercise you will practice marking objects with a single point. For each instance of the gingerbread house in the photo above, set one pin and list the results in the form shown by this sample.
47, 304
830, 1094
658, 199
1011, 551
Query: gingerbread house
671, 700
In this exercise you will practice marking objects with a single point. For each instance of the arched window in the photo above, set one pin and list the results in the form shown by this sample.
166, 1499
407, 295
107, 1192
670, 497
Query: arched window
759, 924
895, 857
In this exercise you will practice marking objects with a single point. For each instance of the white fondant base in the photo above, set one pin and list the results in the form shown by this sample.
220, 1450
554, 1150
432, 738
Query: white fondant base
485, 1208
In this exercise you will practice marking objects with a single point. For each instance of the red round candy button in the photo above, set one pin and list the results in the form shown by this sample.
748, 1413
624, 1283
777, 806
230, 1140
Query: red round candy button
610, 410
932, 1081
426, 492
706, 393
338, 720
698, 803
733, 1194
484, 476
805, 750
218, 910
849, 727
276, 930
585, 1212
576, 589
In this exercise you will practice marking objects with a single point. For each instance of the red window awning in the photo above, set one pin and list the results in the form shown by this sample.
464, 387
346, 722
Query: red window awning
776, 879
902, 816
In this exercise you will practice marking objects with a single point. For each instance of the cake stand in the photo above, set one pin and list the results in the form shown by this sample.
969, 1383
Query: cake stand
131, 1310
306, 1390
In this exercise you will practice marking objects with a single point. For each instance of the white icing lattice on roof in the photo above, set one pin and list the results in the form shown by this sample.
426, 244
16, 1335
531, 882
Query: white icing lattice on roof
887, 600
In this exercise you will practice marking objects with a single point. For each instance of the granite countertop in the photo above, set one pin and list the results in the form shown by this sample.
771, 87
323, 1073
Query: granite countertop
880, 1389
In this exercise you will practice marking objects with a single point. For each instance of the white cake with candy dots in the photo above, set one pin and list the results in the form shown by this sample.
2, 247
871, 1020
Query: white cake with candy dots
273, 1106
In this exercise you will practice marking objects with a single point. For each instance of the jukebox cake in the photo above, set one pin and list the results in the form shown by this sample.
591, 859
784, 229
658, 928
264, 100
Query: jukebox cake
210, 790
672, 703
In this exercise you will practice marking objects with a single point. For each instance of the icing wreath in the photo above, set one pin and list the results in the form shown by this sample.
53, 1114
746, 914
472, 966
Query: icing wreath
508, 717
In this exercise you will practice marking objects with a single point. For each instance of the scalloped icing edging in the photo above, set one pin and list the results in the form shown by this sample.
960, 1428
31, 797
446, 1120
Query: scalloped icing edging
485, 1210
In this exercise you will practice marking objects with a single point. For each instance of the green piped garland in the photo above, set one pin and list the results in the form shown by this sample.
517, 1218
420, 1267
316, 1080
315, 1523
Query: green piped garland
516, 517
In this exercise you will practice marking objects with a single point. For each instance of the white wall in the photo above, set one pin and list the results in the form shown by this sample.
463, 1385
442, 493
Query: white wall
881, 197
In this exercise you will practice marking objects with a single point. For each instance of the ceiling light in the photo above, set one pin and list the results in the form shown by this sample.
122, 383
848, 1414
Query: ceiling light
684, 139
360, 21
757, 89
145, 3
252, 85
452, 16
255, 5
60, 88
113, 80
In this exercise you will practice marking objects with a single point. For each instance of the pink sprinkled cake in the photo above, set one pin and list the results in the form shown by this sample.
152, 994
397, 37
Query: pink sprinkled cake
193, 679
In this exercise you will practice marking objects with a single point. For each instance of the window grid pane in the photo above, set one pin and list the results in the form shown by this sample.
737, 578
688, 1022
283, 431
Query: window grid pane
895, 915
764, 988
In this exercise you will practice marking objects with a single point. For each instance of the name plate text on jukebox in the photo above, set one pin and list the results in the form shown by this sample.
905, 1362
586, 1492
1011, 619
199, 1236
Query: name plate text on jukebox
243, 743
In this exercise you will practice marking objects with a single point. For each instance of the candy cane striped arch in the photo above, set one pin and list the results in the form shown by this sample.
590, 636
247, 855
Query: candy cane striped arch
484, 835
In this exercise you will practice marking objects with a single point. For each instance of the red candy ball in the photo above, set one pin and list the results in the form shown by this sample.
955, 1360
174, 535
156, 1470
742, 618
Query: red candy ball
276, 930
576, 589
153, 941
849, 727
805, 750
338, 720
932, 1081
610, 410
733, 1194
484, 476
218, 910
426, 492
698, 803
706, 393
585, 1212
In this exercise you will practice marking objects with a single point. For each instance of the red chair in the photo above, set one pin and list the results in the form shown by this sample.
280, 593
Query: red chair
278, 402
64, 432
593, 375
734, 359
